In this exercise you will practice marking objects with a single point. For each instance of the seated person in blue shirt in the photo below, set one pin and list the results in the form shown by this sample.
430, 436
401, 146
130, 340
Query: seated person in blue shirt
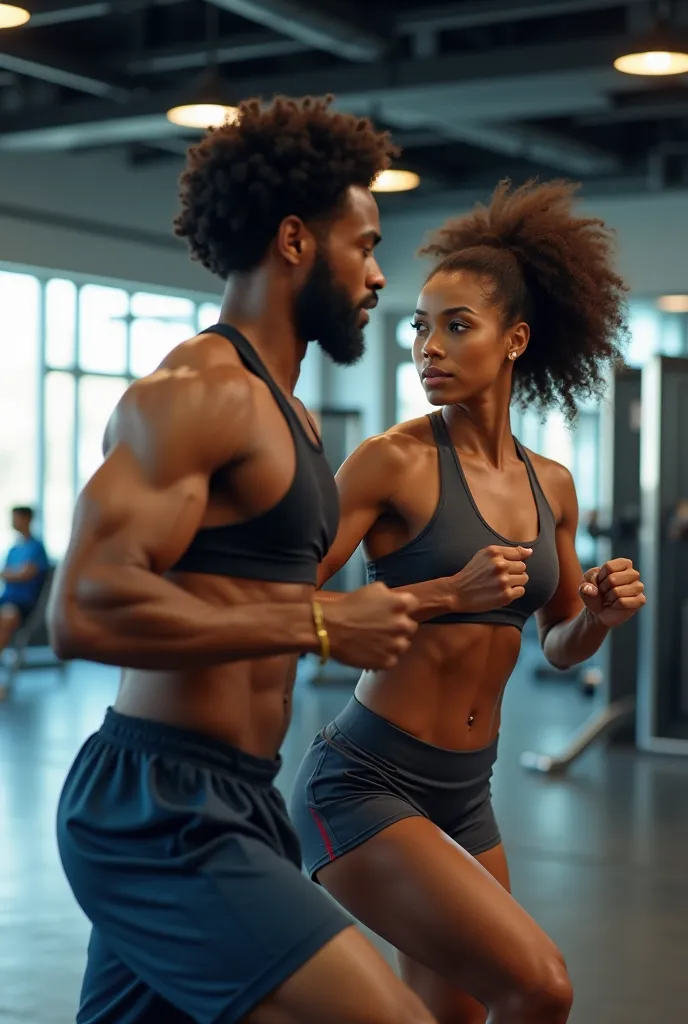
23, 576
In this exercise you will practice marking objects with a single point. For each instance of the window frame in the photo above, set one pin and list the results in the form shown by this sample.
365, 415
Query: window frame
43, 276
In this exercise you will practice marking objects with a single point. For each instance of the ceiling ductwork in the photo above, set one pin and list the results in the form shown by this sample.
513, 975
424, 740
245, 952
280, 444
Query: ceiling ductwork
474, 90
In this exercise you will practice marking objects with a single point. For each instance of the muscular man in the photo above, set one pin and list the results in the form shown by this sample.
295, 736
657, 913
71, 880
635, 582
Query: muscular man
192, 563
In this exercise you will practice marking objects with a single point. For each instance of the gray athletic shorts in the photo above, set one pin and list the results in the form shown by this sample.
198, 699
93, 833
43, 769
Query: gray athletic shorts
362, 774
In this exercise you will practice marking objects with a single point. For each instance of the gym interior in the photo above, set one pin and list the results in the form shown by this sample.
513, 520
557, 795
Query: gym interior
591, 783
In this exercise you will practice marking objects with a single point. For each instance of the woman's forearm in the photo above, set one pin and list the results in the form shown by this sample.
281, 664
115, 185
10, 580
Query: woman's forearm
574, 641
435, 597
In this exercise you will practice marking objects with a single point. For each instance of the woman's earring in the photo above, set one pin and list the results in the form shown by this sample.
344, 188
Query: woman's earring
512, 355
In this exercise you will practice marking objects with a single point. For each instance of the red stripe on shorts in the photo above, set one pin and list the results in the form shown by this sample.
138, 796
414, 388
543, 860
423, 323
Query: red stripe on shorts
325, 838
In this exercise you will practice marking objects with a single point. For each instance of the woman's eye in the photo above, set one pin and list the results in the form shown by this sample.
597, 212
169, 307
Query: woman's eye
418, 327
456, 327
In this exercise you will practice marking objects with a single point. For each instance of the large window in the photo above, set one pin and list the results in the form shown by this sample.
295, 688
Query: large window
69, 350
411, 399
20, 317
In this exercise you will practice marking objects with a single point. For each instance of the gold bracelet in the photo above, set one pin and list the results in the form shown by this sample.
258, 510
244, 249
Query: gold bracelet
321, 632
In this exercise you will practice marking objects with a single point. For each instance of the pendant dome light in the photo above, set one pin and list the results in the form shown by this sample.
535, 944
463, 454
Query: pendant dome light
12, 16
395, 180
658, 53
209, 104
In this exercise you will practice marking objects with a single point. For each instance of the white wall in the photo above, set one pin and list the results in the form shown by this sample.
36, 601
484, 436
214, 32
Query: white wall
90, 213
652, 233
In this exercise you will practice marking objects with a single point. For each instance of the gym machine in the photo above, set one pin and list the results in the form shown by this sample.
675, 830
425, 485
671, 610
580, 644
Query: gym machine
662, 719
616, 529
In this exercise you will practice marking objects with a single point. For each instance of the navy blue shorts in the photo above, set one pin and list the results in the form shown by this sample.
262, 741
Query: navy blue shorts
362, 774
23, 609
179, 850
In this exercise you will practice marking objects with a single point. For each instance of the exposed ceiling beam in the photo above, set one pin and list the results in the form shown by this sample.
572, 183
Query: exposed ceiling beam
480, 191
481, 13
647, 110
61, 13
226, 51
500, 132
421, 139
539, 147
23, 57
318, 29
492, 86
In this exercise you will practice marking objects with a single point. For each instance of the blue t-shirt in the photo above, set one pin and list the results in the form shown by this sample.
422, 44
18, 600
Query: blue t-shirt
23, 553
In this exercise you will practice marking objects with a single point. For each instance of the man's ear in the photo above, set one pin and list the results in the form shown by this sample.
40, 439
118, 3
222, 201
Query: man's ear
294, 242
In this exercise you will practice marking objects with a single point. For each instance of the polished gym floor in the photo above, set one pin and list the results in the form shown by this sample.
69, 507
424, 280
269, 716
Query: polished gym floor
600, 858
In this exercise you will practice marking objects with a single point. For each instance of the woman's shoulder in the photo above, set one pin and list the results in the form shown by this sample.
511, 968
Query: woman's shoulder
395, 450
556, 482
553, 470
417, 430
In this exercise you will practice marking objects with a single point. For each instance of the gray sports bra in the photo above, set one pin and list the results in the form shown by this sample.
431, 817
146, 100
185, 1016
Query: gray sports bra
457, 531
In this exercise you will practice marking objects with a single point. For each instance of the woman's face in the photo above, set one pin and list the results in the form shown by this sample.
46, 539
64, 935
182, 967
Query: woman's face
462, 346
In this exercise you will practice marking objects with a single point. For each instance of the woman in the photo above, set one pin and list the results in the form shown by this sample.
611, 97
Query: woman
392, 801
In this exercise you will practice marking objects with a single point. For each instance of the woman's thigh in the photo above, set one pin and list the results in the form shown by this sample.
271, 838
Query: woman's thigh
442, 909
447, 1003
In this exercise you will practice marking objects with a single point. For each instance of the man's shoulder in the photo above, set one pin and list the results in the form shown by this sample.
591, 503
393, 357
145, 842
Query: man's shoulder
15, 551
189, 399
39, 547
191, 416
28, 549
33, 547
166, 387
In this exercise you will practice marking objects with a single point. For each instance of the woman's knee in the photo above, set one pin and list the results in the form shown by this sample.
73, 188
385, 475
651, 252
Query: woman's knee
556, 995
547, 997
410, 1010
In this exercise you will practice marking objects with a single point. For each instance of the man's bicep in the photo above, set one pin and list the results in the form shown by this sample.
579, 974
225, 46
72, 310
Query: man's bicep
125, 516
170, 433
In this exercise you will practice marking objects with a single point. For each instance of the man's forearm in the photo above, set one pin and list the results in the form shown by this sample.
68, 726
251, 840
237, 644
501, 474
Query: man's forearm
23, 575
134, 619
569, 643
436, 598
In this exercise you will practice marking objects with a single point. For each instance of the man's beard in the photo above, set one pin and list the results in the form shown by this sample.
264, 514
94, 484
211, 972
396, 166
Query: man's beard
325, 313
